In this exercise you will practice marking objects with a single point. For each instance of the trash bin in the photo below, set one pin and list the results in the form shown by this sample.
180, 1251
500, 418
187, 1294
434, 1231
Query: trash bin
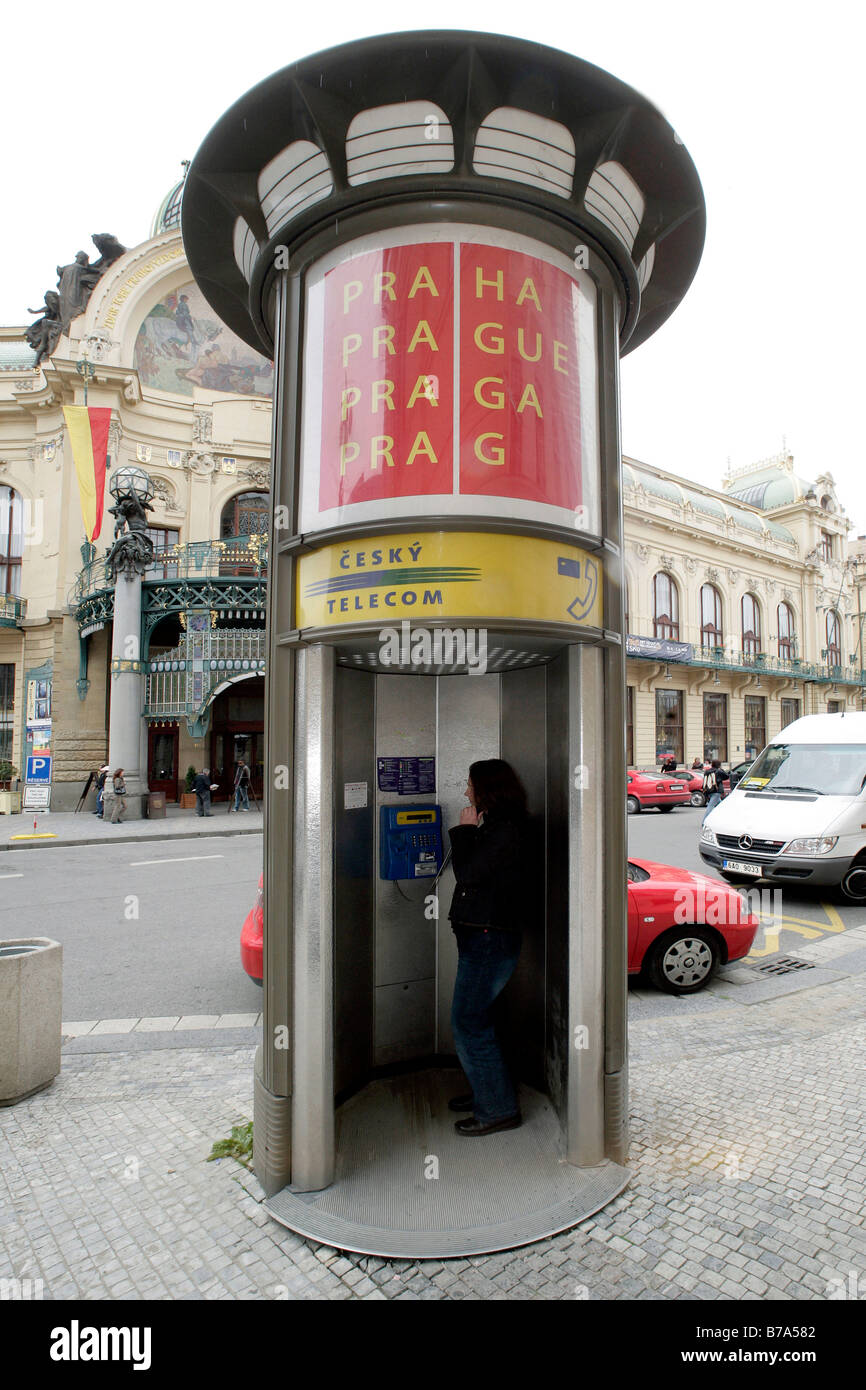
155, 805
31, 991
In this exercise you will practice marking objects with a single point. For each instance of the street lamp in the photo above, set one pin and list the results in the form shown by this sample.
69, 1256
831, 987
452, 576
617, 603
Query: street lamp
132, 482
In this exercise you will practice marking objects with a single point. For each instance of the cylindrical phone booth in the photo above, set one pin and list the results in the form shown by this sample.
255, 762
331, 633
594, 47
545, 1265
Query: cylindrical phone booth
445, 241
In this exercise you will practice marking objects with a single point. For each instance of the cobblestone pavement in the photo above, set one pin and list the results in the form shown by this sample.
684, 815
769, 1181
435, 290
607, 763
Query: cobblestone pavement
746, 1152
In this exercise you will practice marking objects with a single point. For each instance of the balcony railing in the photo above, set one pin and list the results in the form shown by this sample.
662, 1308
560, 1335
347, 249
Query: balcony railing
759, 663
235, 557
12, 610
178, 683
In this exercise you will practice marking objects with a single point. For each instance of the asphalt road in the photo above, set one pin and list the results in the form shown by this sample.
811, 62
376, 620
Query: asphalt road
150, 930
147, 929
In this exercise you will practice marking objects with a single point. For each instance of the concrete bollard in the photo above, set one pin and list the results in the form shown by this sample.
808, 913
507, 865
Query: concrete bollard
31, 995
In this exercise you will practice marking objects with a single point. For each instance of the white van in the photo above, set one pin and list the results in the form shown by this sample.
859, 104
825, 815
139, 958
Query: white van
799, 814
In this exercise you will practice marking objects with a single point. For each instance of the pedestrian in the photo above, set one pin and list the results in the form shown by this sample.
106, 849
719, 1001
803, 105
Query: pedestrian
119, 788
101, 779
202, 788
669, 764
489, 849
242, 786
697, 765
714, 786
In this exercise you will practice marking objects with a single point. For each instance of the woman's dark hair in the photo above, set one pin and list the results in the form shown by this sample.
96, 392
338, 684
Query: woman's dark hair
498, 790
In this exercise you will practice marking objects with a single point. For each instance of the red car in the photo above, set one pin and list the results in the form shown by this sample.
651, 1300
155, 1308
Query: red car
681, 925
252, 938
662, 789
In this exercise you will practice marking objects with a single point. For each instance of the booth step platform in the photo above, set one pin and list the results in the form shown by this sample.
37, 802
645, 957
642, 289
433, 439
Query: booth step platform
408, 1186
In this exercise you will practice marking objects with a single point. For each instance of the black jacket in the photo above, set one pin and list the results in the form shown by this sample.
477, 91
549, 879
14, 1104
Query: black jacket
490, 866
201, 784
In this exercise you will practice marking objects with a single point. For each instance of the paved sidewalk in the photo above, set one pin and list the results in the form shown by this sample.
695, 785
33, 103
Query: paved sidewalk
747, 1160
83, 828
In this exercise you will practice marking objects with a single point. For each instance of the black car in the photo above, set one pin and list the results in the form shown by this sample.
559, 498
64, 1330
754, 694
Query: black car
738, 773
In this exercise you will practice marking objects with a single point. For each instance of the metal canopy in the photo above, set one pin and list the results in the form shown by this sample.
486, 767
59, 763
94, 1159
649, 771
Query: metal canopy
516, 123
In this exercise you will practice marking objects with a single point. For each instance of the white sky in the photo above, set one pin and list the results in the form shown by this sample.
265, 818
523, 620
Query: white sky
100, 104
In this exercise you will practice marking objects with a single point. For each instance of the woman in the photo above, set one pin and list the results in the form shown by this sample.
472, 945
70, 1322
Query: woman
119, 807
489, 854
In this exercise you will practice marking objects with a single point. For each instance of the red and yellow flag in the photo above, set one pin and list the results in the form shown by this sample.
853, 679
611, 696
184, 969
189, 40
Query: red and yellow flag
88, 435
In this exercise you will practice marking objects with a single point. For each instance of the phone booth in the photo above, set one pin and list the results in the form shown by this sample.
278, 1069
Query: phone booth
445, 241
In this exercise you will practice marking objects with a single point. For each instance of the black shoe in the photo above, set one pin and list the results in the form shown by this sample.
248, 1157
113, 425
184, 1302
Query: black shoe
459, 1103
474, 1129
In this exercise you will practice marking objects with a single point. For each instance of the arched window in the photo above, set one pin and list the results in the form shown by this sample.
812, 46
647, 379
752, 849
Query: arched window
666, 608
751, 625
246, 514
785, 625
711, 616
11, 541
834, 639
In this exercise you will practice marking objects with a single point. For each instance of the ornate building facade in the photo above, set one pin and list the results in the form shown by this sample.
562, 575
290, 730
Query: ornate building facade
744, 602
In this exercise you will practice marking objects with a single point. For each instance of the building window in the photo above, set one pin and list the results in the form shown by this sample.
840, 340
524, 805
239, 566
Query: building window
629, 726
825, 546
247, 514
751, 626
11, 541
162, 538
711, 616
835, 706
834, 639
7, 710
716, 727
785, 625
790, 711
756, 724
669, 725
666, 608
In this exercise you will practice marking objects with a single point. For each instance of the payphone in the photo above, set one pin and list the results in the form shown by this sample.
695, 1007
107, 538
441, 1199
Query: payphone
410, 841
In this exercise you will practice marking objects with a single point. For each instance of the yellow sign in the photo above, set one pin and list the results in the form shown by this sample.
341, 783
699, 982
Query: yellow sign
427, 575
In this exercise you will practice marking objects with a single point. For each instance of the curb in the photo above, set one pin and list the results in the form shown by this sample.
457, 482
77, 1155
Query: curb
128, 839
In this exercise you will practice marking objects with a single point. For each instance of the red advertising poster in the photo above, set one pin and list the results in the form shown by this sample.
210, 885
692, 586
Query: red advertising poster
519, 390
387, 376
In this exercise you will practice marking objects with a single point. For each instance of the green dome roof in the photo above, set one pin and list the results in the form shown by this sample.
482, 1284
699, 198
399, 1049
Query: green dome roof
773, 486
167, 218
16, 352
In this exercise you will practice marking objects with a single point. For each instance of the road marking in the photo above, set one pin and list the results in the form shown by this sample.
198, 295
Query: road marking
187, 859
11, 875
803, 926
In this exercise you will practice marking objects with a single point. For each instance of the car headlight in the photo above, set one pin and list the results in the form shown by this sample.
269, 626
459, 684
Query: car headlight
708, 837
811, 844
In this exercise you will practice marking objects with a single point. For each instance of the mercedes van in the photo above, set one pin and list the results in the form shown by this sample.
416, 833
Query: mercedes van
799, 813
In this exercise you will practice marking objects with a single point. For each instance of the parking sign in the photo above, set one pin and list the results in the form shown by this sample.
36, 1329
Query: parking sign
38, 768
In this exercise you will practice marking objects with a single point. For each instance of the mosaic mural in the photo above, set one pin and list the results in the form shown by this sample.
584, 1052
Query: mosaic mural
181, 344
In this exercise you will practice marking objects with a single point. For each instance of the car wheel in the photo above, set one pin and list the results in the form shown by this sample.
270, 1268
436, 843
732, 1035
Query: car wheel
697, 799
854, 883
632, 805
682, 960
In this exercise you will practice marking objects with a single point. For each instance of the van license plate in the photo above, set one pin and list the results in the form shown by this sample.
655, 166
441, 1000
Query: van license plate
741, 868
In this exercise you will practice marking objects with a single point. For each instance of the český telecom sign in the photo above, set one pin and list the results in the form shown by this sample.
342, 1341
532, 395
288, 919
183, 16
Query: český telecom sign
448, 575
449, 370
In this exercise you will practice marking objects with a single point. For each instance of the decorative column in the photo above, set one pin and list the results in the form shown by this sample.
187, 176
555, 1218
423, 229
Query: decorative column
128, 559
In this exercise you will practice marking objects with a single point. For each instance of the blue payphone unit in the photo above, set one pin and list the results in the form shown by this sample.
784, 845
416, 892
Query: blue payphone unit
410, 841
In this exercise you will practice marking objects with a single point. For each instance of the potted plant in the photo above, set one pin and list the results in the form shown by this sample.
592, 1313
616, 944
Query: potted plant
187, 798
10, 802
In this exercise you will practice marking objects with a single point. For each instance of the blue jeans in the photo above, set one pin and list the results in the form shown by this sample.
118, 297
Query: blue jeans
241, 793
712, 803
486, 964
